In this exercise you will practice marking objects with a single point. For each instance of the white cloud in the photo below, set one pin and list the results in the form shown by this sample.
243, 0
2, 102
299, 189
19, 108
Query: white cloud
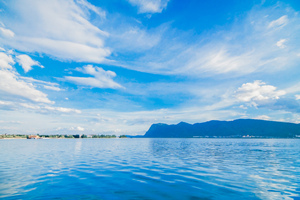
278, 23
10, 122
135, 39
58, 28
38, 108
294, 88
11, 82
26, 62
5, 103
243, 107
244, 48
90, 6
47, 109
280, 43
6, 32
32, 80
78, 128
44, 84
138, 122
150, 6
6, 61
100, 79
257, 91
48, 87
263, 117
297, 97
62, 109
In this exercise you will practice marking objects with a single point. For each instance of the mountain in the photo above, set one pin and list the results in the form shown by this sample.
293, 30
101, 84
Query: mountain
236, 128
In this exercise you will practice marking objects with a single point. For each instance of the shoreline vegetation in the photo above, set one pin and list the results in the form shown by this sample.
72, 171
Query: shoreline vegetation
38, 136
239, 128
19, 136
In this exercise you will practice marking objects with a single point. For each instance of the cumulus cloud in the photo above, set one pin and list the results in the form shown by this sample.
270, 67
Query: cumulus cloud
258, 91
26, 62
257, 94
150, 6
57, 28
100, 79
260, 95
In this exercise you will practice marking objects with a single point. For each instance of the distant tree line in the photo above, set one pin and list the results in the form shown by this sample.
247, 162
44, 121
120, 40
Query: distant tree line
12, 136
78, 136
57, 136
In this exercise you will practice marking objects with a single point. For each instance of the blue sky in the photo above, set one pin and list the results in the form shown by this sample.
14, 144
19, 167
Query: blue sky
117, 66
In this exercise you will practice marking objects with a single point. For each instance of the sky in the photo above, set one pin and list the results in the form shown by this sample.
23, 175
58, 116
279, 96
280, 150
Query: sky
118, 66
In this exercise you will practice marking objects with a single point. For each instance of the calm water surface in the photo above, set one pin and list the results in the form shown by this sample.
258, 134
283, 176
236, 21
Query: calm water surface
150, 169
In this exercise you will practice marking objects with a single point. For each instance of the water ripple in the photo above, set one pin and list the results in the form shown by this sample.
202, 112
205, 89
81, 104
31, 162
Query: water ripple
150, 169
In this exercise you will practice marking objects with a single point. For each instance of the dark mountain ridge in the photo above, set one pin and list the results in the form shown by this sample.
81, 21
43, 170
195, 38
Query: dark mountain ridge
237, 128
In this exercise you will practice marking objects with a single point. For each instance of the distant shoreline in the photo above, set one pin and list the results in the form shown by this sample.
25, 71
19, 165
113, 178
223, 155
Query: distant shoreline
77, 136
12, 138
239, 128
152, 138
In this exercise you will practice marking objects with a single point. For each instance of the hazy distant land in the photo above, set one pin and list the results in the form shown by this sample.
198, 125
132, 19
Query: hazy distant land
241, 128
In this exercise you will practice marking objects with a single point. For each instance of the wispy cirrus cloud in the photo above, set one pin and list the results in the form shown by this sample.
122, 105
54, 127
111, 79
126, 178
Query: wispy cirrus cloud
42, 84
6, 32
88, 6
60, 29
264, 41
51, 87
279, 23
150, 6
131, 38
39, 108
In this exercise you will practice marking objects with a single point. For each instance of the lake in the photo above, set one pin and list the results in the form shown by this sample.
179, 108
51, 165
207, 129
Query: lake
150, 169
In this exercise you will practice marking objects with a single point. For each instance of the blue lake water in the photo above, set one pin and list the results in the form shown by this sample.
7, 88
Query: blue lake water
150, 169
